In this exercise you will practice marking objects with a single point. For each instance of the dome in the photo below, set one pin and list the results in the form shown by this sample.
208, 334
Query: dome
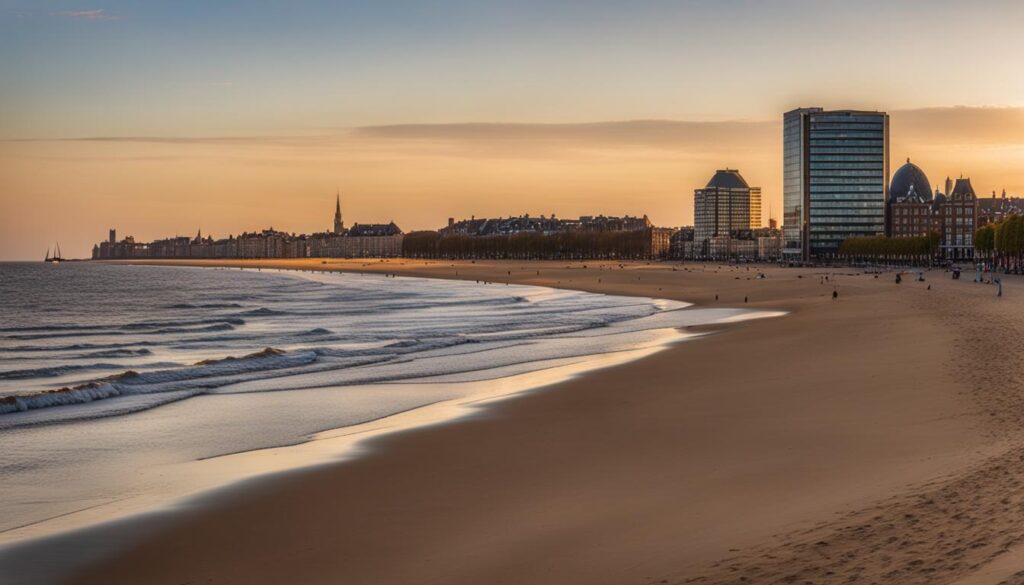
727, 179
907, 180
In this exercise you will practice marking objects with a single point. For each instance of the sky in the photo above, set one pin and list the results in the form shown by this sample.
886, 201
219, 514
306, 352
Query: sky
162, 118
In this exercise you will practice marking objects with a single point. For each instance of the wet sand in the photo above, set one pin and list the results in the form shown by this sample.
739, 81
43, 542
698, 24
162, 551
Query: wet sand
874, 438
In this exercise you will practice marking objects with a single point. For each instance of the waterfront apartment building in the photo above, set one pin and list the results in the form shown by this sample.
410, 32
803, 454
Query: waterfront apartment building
835, 179
959, 217
725, 206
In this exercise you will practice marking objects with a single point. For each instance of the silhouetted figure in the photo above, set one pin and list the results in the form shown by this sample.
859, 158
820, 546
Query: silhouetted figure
835, 295
716, 297
744, 299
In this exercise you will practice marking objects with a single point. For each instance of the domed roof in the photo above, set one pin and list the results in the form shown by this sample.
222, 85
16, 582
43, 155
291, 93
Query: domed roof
909, 180
727, 179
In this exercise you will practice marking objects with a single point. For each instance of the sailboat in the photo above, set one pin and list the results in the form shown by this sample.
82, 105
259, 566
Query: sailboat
55, 259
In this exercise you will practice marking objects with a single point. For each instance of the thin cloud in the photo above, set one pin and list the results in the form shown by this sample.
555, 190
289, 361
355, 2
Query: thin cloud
658, 133
98, 14
939, 127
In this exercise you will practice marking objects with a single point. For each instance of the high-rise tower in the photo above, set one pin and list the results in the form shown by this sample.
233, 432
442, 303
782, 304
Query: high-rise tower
726, 205
835, 178
339, 225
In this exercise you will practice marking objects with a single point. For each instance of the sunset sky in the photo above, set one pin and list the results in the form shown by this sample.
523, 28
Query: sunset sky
160, 118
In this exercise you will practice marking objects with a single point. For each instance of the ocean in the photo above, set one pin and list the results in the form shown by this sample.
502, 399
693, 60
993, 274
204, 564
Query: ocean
124, 388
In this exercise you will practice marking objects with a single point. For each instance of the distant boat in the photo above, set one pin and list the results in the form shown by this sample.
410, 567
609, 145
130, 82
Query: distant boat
55, 259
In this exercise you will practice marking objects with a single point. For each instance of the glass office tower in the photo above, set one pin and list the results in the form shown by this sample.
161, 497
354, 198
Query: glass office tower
835, 179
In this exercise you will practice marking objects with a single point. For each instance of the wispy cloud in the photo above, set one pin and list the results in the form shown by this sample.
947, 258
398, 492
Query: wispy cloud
98, 14
940, 127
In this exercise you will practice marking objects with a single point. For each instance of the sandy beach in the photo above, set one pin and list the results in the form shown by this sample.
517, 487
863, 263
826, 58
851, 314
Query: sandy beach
873, 438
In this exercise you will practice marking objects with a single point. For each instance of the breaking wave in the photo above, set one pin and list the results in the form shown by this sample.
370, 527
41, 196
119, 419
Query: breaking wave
320, 331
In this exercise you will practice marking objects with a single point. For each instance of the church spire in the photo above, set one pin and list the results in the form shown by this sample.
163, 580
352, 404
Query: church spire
339, 225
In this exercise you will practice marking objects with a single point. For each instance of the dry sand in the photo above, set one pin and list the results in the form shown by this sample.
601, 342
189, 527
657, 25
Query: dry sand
872, 439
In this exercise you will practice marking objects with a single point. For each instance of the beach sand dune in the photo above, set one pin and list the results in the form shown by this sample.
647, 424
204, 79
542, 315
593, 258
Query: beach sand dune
874, 438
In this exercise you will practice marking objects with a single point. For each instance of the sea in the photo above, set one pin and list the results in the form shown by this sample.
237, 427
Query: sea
127, 388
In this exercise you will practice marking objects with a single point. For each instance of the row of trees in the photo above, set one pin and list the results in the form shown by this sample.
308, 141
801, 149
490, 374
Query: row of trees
531, 246
915, 250
1002, 244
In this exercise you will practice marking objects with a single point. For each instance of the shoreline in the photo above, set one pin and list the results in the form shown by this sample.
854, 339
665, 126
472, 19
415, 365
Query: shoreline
652, 495
326, 447
254, 470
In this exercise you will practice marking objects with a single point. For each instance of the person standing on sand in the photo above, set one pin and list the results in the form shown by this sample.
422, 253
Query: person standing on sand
999, 287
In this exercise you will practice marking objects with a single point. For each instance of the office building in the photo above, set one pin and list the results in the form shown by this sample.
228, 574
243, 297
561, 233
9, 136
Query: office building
835, 179
726, 205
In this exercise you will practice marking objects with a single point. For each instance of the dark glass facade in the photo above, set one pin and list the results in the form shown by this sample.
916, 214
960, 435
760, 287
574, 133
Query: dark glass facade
835, 178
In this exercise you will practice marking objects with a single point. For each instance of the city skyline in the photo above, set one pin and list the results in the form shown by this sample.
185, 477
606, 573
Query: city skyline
168, 118
657, 166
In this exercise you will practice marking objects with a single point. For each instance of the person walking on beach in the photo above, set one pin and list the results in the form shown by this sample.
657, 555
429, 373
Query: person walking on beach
835, 294
999, 287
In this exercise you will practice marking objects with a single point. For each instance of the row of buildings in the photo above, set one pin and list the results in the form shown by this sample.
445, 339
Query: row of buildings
836, 185
954, 212
358, 241
523, 236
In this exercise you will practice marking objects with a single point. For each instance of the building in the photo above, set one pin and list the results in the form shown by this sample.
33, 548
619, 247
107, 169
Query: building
726, 246
996, 209
725, 205
681, 244
835, 171
769, 243
912, 208
959, 217
376, 240
954, 215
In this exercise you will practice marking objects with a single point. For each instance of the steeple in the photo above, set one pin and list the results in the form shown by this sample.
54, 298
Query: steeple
339, 225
